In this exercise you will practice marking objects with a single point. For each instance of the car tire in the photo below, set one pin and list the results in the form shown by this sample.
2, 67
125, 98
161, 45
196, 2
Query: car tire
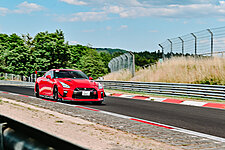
55, 94
37, 91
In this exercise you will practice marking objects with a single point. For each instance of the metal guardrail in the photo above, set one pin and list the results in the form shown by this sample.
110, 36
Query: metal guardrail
15, 135
174, 89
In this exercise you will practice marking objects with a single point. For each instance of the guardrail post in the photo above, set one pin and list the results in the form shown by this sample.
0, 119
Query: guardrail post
1, 136
35, 77
5, 75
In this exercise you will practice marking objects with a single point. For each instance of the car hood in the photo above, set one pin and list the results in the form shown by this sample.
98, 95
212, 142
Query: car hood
78, 82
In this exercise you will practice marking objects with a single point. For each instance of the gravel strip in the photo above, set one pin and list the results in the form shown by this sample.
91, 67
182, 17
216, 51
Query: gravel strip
185, 141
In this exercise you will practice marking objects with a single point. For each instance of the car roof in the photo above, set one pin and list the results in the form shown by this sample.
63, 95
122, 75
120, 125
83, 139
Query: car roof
64, 70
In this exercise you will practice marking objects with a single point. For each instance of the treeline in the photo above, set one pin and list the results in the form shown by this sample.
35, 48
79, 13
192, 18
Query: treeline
24, 55
142, 59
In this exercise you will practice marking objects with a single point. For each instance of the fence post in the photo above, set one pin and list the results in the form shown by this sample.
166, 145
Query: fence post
127, 62
171, 46
118, 64
163, 55
182, 45
124, 61
195, 43
133, 64
211, 41
114, 65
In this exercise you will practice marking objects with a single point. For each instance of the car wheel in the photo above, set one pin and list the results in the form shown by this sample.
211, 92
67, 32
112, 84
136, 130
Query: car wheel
37, 91
55, 94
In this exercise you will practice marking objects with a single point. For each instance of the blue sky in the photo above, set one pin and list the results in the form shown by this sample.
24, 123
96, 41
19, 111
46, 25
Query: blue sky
135, 25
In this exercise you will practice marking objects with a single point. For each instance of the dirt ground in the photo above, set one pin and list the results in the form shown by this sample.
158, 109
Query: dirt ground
81, 132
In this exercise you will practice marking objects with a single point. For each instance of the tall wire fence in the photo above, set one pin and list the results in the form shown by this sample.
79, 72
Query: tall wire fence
125, 61
209, 42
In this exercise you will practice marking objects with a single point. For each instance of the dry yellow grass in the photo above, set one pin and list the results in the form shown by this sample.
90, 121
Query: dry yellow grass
122, 75
179, 70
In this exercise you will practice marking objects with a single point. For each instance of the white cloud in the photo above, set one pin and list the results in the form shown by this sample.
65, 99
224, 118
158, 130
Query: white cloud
74, 2
113, 9
26, 8
108, 28
221, 20
88, 16
123, 27
3, 11
73, 42
147, 8
174, 11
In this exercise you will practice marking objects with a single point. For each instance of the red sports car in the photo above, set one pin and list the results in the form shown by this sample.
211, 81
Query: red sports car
69, 85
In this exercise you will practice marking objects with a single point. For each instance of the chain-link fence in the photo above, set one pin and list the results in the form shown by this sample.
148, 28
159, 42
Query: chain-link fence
125, 61
207, 42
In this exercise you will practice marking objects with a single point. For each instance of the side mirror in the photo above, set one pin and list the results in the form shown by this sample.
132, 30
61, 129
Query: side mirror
90, 78
48, 77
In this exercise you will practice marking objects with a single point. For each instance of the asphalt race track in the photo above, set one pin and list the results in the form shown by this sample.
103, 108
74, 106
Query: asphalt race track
205, 120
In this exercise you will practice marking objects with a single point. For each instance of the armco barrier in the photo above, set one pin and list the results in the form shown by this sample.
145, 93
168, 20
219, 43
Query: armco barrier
178, 89
16, 135
174, 89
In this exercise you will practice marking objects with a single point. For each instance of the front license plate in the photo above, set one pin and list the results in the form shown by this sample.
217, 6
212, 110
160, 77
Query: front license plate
86, 93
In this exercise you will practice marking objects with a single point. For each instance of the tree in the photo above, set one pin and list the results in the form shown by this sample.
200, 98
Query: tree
76, 52
92, 64
16, 56
50, 51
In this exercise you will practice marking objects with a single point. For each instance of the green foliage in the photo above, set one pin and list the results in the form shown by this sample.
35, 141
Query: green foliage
146, 58
92, 64
110, 50
50, 51
46, 51
76, 52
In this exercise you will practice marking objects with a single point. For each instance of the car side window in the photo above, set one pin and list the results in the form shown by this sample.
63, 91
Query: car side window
47, 73
51, 74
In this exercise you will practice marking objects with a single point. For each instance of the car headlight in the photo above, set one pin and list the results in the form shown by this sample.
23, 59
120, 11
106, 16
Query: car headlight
100, 86
65, 85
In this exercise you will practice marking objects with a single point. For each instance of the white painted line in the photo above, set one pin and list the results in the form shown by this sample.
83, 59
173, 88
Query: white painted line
115, 114
150, 99
199, 134
193, 103
126, 96
107, 94
159, 99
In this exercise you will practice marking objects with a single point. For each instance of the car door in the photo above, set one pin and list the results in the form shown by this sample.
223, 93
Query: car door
43, 84
49, 84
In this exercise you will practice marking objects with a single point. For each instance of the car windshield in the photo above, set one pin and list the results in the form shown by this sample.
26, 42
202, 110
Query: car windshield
70, 74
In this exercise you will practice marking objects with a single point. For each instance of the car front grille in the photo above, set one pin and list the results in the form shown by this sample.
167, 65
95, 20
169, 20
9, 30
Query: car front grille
77, 94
